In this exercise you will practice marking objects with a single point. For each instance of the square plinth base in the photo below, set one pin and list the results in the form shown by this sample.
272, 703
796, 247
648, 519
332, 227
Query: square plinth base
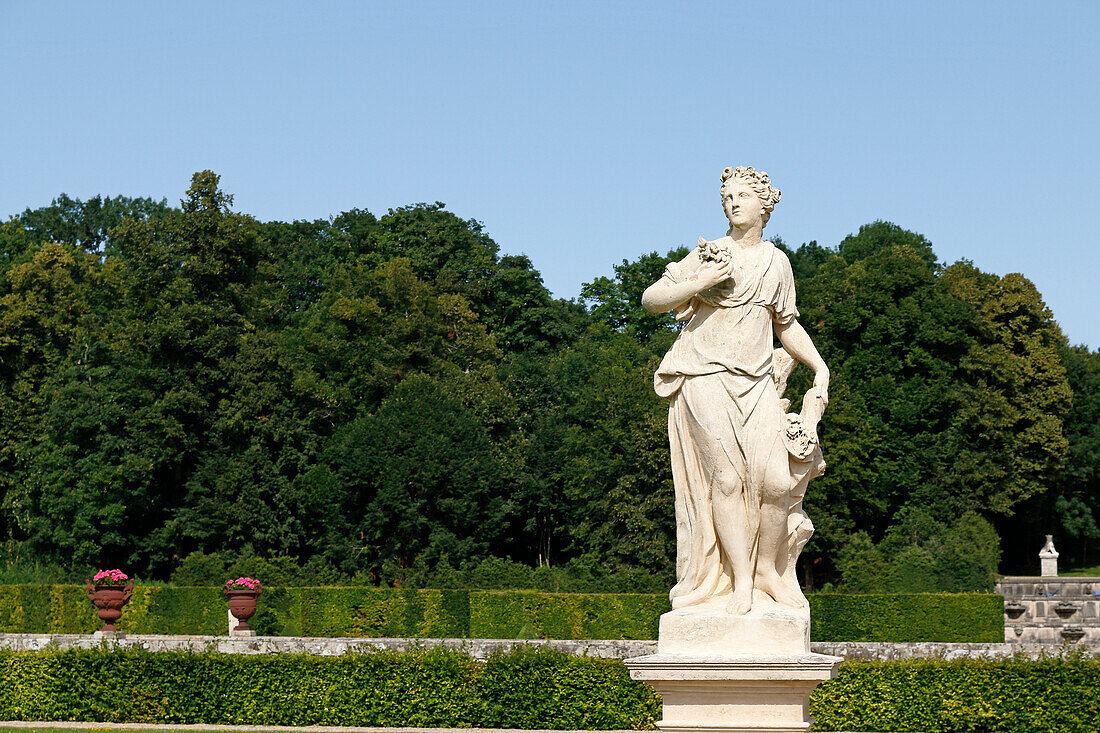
709, 630
740, 694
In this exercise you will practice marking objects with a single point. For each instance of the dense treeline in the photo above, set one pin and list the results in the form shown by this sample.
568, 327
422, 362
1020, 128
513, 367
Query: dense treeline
390, 396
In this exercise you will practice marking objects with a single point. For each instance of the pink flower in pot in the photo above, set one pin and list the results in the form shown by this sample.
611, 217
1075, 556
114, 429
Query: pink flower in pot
242, 594
109, 591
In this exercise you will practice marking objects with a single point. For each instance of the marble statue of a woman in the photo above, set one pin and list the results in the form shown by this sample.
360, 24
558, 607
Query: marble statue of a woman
740, 463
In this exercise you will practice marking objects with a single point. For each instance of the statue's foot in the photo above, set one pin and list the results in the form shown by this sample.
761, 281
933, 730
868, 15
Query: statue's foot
741, 602
782, 592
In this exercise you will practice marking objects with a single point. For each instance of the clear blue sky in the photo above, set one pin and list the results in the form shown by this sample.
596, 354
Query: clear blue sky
584, 133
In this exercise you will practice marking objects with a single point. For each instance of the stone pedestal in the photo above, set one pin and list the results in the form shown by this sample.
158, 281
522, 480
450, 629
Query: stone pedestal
722, 673
737, 694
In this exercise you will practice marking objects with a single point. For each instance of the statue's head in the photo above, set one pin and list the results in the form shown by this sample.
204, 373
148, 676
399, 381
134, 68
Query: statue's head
740, 180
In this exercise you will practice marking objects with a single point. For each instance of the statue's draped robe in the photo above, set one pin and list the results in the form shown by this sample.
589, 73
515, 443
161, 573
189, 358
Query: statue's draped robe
725, 421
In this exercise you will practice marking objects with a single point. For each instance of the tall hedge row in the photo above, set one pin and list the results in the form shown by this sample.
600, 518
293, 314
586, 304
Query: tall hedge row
958, 617
522, 688
519, 614
373, 612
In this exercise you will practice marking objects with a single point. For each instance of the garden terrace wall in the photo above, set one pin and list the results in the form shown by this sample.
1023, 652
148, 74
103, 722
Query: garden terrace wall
387, 612
881, 651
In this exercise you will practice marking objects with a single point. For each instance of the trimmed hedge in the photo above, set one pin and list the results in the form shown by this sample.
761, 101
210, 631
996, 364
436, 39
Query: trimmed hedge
372, 612
958, 617
1052, 695
519, 615
523, 688
382, 612
438, 688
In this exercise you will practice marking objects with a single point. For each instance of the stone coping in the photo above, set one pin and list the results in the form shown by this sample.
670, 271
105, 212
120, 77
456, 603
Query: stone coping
1050, 579
482, 648
335, 646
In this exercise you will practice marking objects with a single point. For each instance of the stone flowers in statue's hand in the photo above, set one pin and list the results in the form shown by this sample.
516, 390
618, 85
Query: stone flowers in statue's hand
717, 264
713, 251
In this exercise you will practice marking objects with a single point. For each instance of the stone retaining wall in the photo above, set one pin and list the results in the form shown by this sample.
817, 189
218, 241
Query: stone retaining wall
481, 648
1051, 610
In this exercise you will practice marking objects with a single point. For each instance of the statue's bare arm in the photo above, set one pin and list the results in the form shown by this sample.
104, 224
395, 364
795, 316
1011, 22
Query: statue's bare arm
798, 344
665, 295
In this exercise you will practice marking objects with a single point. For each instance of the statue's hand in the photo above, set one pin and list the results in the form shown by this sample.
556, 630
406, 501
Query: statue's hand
710, 274
821, 382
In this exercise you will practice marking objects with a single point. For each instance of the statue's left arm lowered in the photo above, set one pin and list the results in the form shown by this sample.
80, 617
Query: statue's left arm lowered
798, 344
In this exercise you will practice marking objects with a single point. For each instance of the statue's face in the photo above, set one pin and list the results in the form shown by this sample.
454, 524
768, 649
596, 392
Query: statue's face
742, 207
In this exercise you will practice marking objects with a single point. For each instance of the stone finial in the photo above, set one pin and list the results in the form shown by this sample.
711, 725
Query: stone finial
1048, 559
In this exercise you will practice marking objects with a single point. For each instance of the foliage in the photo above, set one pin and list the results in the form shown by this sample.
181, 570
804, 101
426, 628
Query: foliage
969, 617
19, 566
617, 301
389, 398
87, 223
367, 611
1071, 509
495, 615
921, 554
492, 573
954, 387
437, 688
524, 688
1052, 695
542, 689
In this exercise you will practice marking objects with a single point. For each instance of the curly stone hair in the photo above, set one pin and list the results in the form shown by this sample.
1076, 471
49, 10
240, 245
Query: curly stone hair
760, 184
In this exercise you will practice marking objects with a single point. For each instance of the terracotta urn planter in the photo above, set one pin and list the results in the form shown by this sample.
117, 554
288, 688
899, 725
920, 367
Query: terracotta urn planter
242, 594
109, 598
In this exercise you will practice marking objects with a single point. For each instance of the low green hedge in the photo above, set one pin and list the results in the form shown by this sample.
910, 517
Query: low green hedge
367, 612
439, 688
523, 688
1053, 695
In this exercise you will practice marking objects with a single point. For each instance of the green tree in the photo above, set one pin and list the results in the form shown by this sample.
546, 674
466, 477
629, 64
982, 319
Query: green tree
1012, 394
614, 467
892, 339
45, 322
969, 556
1078, 483
862, 567
421, 479
617, 301
87, 224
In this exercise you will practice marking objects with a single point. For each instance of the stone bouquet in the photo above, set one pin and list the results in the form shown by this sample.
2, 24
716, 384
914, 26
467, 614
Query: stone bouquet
734, 653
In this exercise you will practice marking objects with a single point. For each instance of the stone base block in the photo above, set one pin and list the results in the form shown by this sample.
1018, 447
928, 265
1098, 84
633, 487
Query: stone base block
741, 694
249, 632
109, 635
708, 630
